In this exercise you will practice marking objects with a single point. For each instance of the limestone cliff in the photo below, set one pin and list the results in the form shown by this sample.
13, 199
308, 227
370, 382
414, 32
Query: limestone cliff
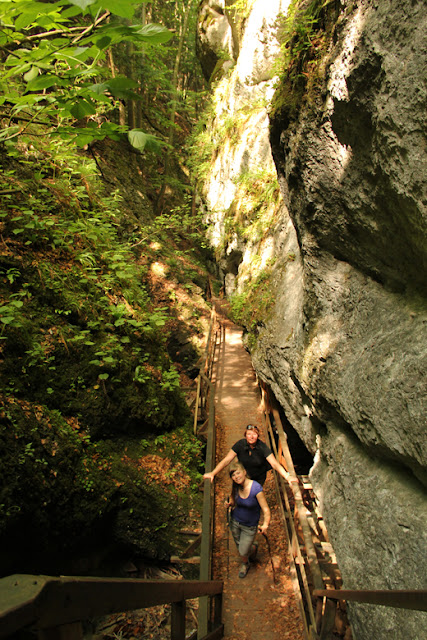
342, 338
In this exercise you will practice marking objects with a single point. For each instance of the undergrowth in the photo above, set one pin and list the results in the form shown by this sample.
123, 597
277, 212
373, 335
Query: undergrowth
88, 357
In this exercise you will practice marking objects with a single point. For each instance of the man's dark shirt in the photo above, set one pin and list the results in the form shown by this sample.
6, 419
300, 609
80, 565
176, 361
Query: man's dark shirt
254, 460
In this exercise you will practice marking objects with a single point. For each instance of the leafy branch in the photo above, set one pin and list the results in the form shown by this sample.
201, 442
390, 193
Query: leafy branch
53, 71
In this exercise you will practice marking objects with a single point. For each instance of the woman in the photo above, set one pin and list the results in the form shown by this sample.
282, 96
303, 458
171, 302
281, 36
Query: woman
247, 500
255, 456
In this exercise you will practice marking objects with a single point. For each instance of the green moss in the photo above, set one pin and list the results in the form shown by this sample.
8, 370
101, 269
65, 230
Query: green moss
253, 306
305, 35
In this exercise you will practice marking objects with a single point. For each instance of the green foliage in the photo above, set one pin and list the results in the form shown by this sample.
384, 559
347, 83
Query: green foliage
73, 294
86, 338
54, 57
304, 33
252, 306
52, 476
56, 480
84, 357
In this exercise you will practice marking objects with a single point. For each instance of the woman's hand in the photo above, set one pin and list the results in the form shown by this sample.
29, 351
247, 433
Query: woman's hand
263, 528
209, 476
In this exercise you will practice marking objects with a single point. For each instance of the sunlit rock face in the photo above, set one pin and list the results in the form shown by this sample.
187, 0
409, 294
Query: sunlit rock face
240, 129
215, 37
345, 346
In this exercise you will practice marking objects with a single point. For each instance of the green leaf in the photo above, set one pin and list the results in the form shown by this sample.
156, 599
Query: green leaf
119, 83
103, 376
144, 141
122, 8
83, 4
81, 109
31, 74
118, 87
44, 82
103, 43
27, 17
154, 33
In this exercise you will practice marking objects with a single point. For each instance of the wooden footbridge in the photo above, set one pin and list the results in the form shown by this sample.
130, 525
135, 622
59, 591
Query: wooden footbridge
293, 589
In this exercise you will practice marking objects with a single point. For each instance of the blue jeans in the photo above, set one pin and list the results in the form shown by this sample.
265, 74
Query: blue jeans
243, 536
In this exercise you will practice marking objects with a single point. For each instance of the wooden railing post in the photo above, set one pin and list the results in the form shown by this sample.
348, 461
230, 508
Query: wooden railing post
178, 620
71, 631
217, 600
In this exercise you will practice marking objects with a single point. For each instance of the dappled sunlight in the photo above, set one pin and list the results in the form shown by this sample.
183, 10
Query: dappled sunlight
337, 84
258, 44
344, 155
158, 269
342, 65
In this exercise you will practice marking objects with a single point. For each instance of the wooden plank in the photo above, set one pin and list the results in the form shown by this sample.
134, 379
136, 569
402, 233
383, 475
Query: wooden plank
207, 524
296, 561
216, 634
192, 546
181, 560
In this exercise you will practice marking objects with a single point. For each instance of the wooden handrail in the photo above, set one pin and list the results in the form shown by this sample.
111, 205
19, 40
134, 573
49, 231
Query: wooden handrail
205, 370
207, 518
398, 598
45, 602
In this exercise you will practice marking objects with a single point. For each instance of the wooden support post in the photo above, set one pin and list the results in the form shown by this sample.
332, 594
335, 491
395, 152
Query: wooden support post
71, 631
196, 409
178, 620
217, 600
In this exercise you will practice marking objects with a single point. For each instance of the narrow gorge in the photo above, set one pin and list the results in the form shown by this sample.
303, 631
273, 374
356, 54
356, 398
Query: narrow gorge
312, 182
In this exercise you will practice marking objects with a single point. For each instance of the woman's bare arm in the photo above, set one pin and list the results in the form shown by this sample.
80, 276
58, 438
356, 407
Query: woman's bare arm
265, 510
220, 466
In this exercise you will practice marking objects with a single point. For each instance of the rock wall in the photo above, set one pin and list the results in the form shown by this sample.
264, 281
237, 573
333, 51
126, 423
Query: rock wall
344, 346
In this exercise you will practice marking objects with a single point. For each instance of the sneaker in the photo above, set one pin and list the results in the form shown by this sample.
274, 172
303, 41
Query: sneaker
254, 551
244, 568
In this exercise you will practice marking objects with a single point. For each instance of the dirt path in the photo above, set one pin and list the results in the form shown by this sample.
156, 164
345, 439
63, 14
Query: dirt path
256, 607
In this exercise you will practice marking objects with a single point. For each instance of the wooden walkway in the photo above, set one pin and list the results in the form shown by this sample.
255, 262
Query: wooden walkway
261, 606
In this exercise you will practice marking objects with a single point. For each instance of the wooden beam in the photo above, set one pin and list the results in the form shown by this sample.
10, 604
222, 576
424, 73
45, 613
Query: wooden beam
415, 599
46, 601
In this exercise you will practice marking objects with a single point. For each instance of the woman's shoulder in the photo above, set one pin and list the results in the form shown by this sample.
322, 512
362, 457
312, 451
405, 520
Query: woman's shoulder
264, 448
239, 444
256, 487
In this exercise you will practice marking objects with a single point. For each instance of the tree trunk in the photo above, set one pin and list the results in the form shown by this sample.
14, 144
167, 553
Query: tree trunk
171, 131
